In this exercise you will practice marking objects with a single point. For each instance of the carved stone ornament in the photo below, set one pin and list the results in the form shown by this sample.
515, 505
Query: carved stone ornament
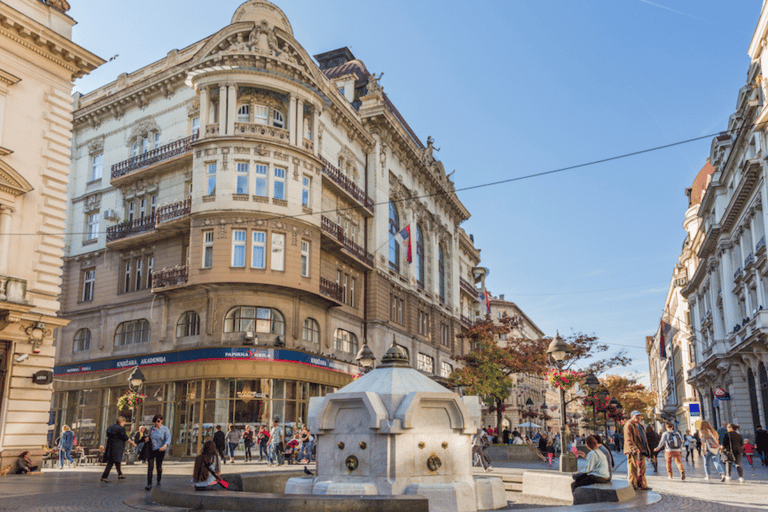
142, 128
434, 463
92, 202
351, 463
374, 86
61, 5
193, 108
262, 39
96, 146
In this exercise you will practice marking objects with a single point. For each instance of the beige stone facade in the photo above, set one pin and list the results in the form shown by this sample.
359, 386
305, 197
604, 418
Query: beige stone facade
38, 62
236, 204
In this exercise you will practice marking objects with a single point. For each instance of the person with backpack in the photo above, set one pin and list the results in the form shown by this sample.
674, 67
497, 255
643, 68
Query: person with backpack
219, 439
672, 443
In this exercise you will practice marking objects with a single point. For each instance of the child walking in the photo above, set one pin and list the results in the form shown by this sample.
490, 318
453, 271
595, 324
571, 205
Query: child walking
748, 450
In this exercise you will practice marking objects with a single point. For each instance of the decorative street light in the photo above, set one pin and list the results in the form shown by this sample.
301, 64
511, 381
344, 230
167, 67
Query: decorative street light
592, 382
544, 415
559, 350
365, 358
136, 380
614, 405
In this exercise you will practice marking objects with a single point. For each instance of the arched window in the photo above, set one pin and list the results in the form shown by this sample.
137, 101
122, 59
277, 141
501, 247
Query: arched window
394, 247
244, 114
277, 119
82, 341
188, 324
132, 332
311, 332
254, 319
345, 341
420, 263
441, 272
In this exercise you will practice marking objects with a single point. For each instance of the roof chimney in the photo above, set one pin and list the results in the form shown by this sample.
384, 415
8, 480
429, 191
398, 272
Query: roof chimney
501, 297
334, 58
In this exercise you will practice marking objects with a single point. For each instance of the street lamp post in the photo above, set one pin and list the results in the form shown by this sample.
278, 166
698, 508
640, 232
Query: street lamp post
529, 405
135, 381
544, 415
592, 382
558, 349
603, 394
616, 405
365, 358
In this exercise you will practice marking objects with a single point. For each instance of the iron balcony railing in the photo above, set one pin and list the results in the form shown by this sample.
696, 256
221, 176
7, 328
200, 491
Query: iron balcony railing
331, 289
170, 277
334, 231
174, 211
346, 184
131, 227
154, 156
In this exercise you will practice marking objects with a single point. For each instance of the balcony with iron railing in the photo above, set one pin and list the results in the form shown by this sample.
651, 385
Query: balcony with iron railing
331, 289
161, 154
131, 228
170, 277
760, 246
175, 211
346, 185
336, 233
468, 288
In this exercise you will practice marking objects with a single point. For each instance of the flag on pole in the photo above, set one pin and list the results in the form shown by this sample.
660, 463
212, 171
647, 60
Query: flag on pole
666, 333
404, 238
485, 300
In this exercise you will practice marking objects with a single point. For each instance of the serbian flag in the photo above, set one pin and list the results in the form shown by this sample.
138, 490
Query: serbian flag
485, 301
404, 237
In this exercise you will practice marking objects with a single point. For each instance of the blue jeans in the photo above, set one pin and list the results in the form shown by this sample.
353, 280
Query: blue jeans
306, 450
232, 448
273, 456
263, 452
712, 459
65, 453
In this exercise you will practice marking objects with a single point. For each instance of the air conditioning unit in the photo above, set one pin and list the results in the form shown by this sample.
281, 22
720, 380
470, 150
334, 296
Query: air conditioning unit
110, 214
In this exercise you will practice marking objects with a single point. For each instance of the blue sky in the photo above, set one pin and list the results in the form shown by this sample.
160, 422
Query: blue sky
512, 88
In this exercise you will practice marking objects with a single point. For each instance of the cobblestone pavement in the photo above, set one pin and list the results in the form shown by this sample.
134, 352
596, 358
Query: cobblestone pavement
79, 489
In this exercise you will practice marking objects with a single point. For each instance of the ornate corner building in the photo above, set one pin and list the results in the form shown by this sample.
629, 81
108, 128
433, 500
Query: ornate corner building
233, 211
38, 63
727, 291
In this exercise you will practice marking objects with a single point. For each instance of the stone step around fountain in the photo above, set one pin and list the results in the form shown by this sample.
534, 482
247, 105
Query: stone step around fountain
556, 485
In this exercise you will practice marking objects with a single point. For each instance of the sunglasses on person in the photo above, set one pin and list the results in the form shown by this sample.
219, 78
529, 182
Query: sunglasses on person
158, 421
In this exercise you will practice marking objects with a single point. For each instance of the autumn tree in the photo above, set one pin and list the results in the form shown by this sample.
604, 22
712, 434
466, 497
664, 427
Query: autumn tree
486, 369
632, 395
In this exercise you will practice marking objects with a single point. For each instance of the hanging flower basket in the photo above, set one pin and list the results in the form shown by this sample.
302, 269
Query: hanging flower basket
563, 379
130, 400
529, 414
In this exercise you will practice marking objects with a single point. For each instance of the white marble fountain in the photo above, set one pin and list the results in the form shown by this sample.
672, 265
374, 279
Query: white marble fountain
395, 431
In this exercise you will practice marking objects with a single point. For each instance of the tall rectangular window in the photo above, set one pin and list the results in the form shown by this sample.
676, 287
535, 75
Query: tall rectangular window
259, 250
142, 207
279, 183
242, 178
157, 140
352, 291
238, 247
305, 258
345, 289
139, 268
196, 126
260, 114
306, 188
127, 277
261, 180
207, 249
445, 335
446, 369
152, 205
426, 363
150, 269
145, 144
211, 179
277, 261
89, 281
92, 233
97, 165
131, 210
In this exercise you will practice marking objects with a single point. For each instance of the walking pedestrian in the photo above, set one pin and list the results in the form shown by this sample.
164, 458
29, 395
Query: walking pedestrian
160, 440
761, 443
114, 448
690, 445
749, 449
733, 448
671, 442
248, 442
233, 439
263, 438
65, 446
711, 445
697, 437
275, 453
479, 440
219, 439
636, 449
653, 441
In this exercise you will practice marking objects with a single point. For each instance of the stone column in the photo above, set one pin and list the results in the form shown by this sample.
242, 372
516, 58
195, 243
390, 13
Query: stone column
222, 109
764, 200
726, 279
741, 406
292, 119
315, 128
204, 110
300, 123
231, 107
5, 239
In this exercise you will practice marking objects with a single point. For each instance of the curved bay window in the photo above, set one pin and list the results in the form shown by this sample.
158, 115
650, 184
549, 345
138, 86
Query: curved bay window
254, 319
132, 332
188, 324
82, 341
420, 263
345, 341
311, 333
394, 247
441, 272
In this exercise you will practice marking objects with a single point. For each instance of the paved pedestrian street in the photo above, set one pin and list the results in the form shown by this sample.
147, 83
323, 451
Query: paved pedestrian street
79, 489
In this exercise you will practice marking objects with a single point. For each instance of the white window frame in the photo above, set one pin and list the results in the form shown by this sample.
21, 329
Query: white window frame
259, 248
261, 114
210, 172
150, 270
97, 166
262, 178
311, 331
139, 269
426, 363
279, 182
278, 120
244, 114
305, 258
89, 283
196, 126
446, 369
238, 247
127, 277
207, 261
145, 145
242, 172
92, 233
306, 190
277, 257
156, 141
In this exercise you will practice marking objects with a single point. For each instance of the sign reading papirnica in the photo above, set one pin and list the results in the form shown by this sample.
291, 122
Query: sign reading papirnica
208, 354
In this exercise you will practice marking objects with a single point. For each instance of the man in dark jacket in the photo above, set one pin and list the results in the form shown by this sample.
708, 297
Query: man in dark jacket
219, 439
761, 444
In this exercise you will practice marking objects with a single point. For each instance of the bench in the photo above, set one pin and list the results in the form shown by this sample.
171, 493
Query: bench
613, 491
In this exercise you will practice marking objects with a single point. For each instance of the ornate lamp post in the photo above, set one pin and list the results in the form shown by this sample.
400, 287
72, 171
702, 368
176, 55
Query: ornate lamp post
615, 405
135, 381
603, 394
365, 358
592, 382
544, 409
558, 349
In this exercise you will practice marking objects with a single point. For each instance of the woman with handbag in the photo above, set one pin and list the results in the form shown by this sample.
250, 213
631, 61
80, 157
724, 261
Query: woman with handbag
733, 451
207, 471
710, 442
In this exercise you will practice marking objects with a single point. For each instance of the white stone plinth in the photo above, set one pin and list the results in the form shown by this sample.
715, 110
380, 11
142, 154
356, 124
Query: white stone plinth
490, 493
549, 484
446, 497
344, 488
